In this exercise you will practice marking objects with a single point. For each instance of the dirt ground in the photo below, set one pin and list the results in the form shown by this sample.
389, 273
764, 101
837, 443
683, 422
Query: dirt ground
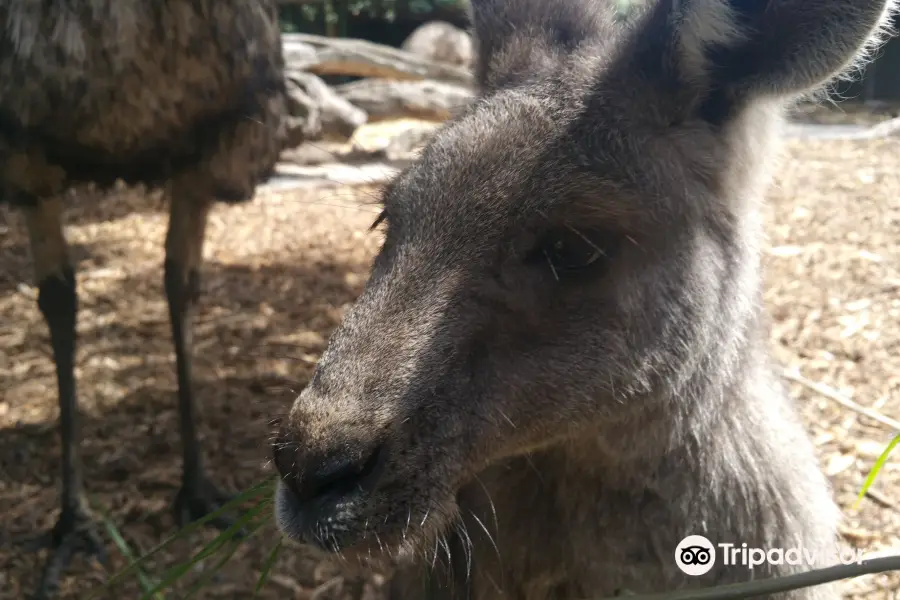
279, 274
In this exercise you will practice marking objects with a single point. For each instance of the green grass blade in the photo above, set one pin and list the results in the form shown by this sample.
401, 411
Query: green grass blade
235, 502
143, 578
235, 545
876, 469
232, 531
267, 566
209, 574
179, 571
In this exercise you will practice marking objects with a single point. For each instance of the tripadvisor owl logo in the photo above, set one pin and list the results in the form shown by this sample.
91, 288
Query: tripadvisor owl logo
695, 555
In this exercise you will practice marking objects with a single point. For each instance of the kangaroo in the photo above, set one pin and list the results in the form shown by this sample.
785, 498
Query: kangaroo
558, 370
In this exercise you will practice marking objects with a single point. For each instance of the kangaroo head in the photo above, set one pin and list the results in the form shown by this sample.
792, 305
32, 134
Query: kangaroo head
575, 255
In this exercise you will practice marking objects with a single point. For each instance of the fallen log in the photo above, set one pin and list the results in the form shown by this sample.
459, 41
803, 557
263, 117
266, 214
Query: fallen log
303, 120
406, 144
888, 128
297, 54
361, 58
384, 99
336, 117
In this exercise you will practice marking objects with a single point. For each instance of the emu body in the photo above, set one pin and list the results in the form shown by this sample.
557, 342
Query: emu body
182, 94
558, 368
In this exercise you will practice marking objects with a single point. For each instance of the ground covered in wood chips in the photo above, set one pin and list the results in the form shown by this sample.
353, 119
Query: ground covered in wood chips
281, 271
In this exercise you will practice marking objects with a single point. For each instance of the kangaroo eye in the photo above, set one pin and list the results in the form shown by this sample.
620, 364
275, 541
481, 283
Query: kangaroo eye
569, 251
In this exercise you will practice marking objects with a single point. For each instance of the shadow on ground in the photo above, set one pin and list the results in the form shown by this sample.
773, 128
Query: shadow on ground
258, 333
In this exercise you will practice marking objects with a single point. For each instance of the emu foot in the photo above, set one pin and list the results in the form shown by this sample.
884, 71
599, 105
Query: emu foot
198, 500
75, 533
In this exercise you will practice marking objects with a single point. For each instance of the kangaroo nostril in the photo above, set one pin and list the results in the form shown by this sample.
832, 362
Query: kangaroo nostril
342, 476
336, 475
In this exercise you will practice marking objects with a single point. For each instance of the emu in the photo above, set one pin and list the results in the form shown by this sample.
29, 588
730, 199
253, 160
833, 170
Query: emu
557, 370
184, 95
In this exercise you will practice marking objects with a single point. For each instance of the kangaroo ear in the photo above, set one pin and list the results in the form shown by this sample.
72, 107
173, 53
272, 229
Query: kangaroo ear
733, 49
516, 39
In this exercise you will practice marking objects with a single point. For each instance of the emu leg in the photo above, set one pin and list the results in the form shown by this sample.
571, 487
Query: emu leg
184, 254
75, 531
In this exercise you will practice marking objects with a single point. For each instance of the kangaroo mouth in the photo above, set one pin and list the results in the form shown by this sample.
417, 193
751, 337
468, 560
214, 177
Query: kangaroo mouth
387, 513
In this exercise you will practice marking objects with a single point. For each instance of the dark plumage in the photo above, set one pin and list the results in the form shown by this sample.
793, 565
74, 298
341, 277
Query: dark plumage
185, 94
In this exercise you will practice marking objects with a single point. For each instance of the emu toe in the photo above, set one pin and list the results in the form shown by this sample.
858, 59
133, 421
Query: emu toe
198, 501
77, 533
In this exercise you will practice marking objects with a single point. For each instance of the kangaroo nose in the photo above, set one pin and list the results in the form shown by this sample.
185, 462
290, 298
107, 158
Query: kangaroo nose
335, 475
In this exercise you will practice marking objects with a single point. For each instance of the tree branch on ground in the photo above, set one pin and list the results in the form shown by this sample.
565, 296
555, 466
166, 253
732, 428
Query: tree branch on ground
385, 99
831, 394
361, 58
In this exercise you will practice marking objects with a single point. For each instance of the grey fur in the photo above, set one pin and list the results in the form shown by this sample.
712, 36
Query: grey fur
557, 434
